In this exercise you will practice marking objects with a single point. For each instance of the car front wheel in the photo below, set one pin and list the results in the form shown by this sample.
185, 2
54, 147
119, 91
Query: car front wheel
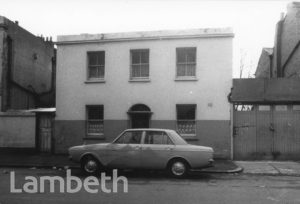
178, 168
90, 165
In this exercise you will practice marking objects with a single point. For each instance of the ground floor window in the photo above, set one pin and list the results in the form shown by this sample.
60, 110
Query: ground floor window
186, 119
94, 120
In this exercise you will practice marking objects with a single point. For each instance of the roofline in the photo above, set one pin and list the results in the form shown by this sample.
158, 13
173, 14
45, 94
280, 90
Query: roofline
223, 35
146, 35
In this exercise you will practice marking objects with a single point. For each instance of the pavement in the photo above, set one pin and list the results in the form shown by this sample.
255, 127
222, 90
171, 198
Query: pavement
35, 160
286, 168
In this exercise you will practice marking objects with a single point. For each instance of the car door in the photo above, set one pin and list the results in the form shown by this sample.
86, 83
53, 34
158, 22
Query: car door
125, 151
156, 149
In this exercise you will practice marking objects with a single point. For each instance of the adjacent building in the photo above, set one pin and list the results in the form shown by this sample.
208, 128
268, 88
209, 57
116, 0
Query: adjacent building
266, 116
162, 79
27, 68
27, 81
283, 60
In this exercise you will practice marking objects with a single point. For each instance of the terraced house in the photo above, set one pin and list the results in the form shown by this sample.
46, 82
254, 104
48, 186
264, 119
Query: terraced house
161, 79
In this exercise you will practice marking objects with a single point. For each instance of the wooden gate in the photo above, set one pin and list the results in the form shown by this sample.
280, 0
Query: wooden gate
264, 132
45, 125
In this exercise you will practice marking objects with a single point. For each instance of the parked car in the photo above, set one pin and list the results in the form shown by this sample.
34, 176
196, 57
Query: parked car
144, 149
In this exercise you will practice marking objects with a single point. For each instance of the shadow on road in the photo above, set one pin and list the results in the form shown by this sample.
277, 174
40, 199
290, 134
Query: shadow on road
147, 174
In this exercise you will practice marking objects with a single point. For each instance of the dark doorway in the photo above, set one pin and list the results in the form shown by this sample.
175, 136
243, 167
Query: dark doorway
140, 116
140, 120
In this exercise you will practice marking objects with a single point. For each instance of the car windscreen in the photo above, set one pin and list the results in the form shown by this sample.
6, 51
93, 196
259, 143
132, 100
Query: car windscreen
130, 137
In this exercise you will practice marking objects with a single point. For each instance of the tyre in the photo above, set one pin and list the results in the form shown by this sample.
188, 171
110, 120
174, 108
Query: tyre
178, 168
90, 165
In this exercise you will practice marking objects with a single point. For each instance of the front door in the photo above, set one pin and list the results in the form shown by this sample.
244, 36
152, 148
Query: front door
140, 120
44, 132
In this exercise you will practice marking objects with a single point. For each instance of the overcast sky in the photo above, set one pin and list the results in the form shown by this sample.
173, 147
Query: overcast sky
253, 22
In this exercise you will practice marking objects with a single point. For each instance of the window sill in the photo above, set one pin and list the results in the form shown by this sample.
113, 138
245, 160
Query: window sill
139, 80
185, 79
94, 81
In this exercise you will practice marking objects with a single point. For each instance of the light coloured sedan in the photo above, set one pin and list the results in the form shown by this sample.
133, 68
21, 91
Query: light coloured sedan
144, 149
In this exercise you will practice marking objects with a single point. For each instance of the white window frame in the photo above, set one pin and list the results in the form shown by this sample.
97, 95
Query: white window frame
98, 66
140, 64
186, 63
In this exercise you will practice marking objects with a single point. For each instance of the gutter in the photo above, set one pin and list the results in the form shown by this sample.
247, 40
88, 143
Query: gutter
223, 35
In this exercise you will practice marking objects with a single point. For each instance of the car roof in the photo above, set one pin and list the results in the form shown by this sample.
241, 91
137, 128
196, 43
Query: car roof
148, 129
177, 139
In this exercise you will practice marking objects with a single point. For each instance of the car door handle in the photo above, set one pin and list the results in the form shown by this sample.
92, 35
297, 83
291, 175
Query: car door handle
168, 148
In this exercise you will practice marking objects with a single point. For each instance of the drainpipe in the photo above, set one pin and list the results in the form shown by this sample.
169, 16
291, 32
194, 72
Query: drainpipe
278, 46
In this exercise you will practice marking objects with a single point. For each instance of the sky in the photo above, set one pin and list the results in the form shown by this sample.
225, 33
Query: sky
253, 22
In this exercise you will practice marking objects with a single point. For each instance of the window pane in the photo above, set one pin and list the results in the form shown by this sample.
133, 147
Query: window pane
181, 70
92, 58
191, 54
101, 58
144, 70
101, 72
136, 71
133, 137
135, 57
190, 70
96, 58
186, 112
145, 57
181, 55
93, 72
95, 113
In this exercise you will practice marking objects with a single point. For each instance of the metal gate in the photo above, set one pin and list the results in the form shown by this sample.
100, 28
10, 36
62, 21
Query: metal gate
45, 125
266, 132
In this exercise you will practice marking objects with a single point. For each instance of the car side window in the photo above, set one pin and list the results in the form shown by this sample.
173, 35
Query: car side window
130, 137
157, 137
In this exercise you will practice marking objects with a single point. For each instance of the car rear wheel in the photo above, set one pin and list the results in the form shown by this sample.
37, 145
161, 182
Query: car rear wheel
178, 168
90, 165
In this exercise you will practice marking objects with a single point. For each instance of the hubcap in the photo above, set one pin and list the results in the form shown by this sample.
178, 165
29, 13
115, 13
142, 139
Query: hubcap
178, 168
90, 166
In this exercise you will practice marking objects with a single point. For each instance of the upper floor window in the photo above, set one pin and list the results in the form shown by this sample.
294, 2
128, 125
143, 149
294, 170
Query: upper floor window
139, 64
186, 62
94, 121
96, 65
186, 119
